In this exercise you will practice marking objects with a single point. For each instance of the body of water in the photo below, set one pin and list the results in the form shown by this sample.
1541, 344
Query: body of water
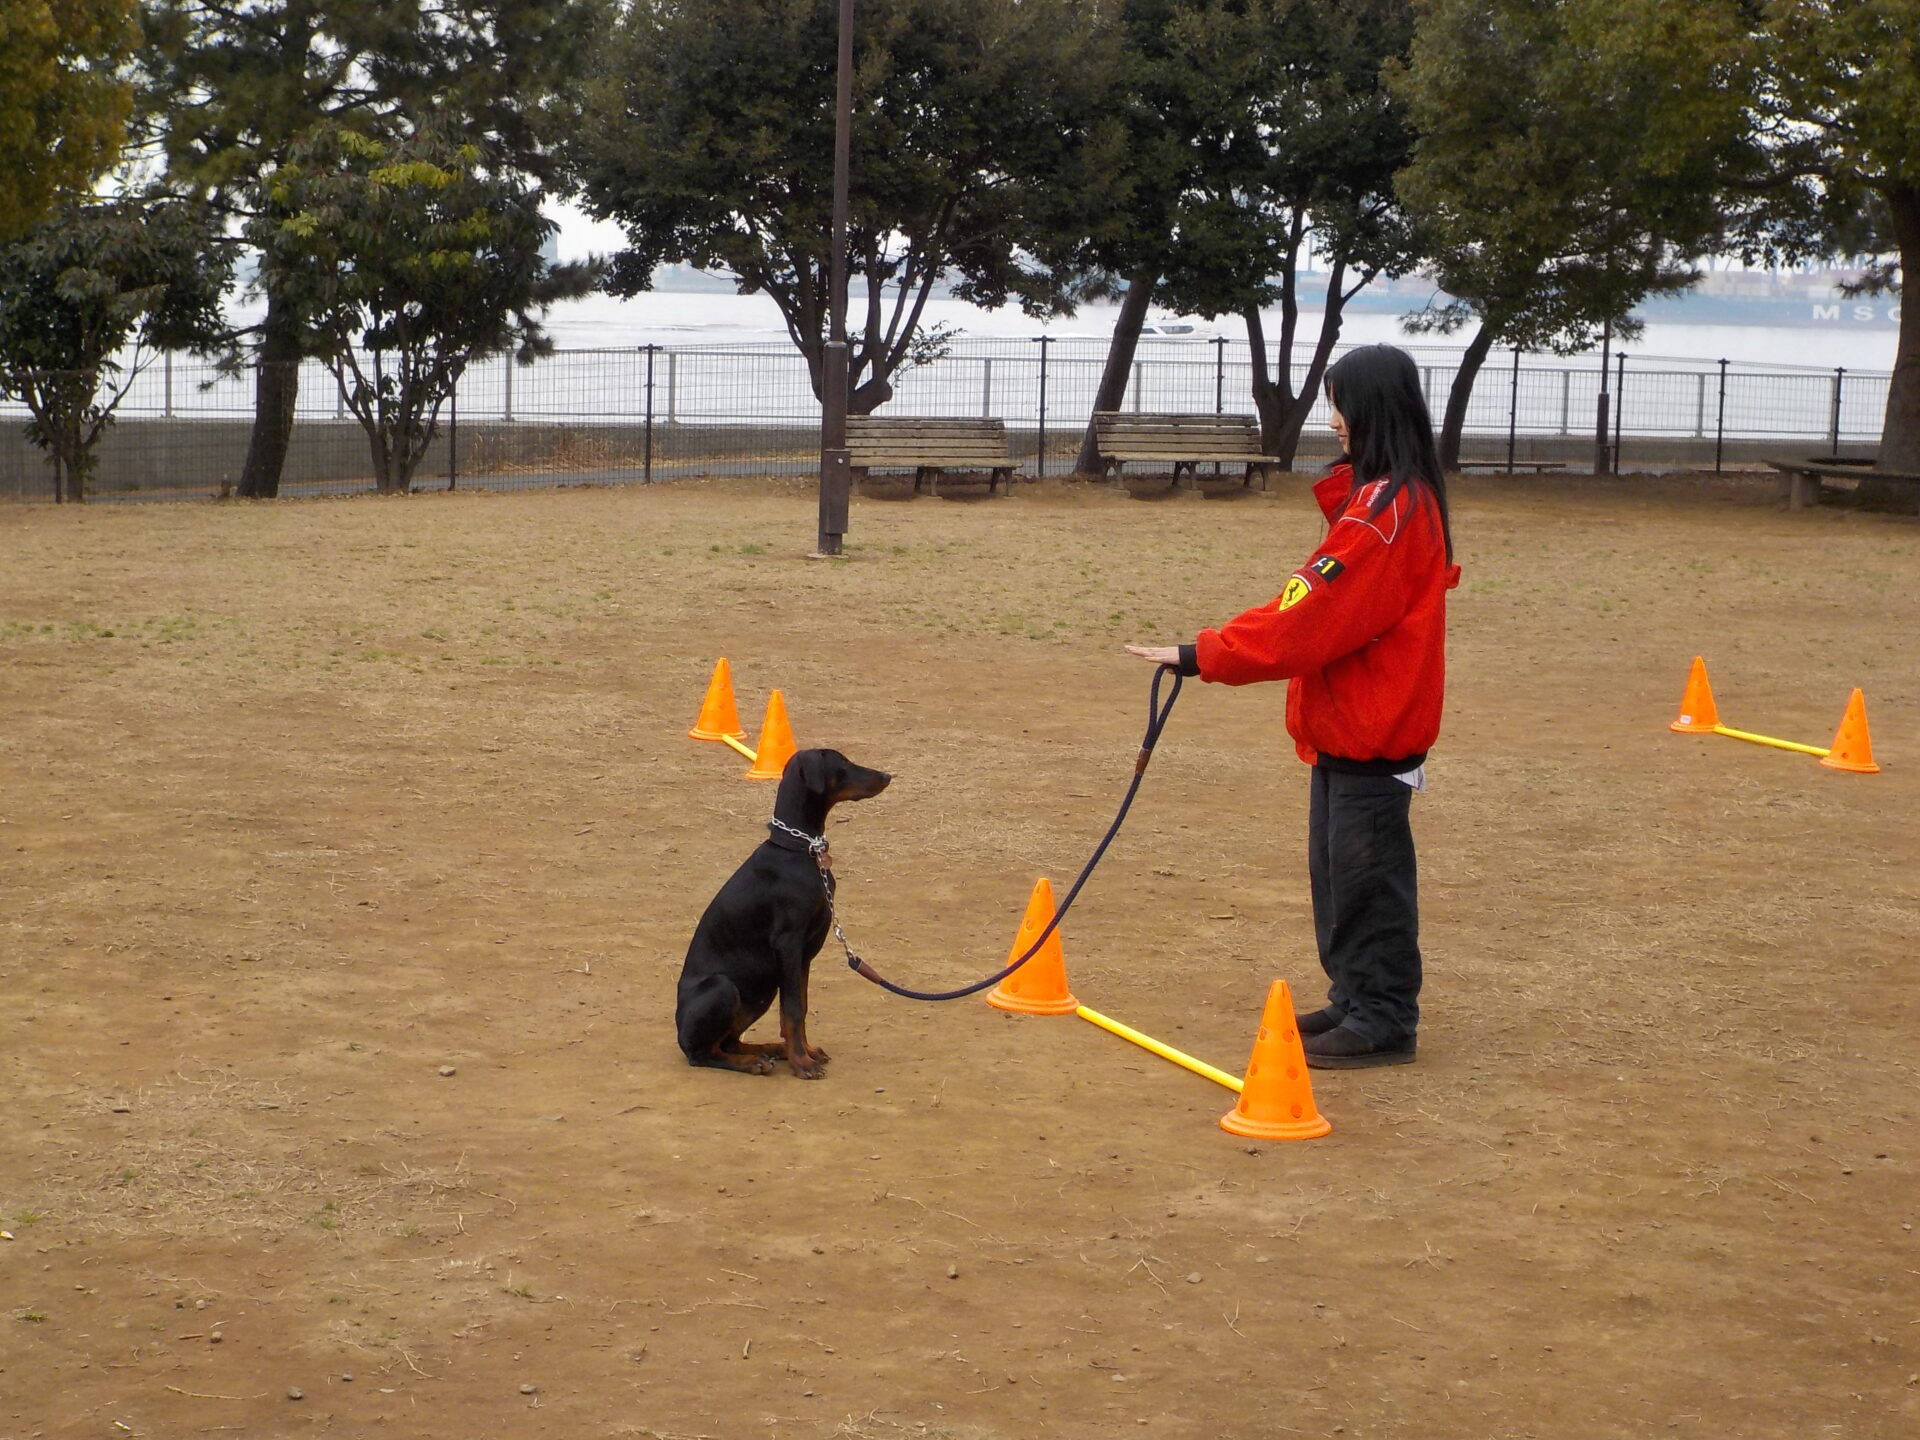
689, 318
680, 318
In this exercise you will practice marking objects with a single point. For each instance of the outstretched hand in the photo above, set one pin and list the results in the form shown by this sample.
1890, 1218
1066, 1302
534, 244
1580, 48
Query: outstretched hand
1156, 654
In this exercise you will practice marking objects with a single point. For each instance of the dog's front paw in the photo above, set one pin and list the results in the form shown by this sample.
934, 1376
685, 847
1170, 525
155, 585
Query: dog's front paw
807, 1067
820, 1056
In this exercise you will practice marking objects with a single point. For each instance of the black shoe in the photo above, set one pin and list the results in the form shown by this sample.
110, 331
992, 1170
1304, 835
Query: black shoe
1320, 1021
1344, 1048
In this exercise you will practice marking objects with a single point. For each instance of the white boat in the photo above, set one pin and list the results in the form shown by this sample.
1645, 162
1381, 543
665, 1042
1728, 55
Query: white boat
1178, 327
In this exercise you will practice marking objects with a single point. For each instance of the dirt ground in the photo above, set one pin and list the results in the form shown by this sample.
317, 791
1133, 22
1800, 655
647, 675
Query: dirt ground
351, 849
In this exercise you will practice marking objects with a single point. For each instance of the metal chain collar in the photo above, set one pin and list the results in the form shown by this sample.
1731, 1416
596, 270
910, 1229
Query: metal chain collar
817, 847
816, 844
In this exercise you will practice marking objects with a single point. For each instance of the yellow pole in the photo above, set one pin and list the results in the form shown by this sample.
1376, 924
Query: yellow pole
1165, 1052
752, 756
1769, 740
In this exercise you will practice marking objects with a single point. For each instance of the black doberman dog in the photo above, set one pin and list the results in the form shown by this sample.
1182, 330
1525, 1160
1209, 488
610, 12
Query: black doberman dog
760, 933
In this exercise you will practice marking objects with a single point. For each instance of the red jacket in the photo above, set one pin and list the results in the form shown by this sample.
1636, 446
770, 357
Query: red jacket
1359, 631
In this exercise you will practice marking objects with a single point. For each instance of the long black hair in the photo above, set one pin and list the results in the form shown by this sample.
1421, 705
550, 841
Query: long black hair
1389, 432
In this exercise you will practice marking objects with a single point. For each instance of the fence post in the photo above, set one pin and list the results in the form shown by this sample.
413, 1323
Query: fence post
1720, 421
1513, 408
506, 403
1139, 384
1566, 399
647, 461
1619, 406
339, 398
1040, 456
168, 371
986, 387
1219, 374
672, 386
1700, 406
1839, 377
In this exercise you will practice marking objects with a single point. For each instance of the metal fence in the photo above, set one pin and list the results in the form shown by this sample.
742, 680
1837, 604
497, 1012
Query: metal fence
657, 412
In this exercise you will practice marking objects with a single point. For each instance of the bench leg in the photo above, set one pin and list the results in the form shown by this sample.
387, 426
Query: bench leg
1803, 490
1003, 477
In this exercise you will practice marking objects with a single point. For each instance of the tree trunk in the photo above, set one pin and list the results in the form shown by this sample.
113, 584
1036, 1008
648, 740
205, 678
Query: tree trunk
869, 395
1271, 398
1120, 351
1461, 393
276, 387
71, 458
1283, 414
1900, 432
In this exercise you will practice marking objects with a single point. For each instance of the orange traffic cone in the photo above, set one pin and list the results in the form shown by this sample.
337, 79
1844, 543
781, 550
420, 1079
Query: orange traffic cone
1852, 750
776, 745
1276, 1099
1698, 714
1038, 987
718, 717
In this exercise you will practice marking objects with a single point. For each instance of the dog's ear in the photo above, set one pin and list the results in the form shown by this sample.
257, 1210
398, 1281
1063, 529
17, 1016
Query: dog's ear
818, 770
830, 772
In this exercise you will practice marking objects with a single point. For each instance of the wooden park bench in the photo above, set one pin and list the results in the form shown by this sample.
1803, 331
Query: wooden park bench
1185, 442
929, 446
1803, 480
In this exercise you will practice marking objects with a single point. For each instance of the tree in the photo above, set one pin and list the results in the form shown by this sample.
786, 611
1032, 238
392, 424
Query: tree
1135, 237
1839, 109
979, 140
234, 88
1574, 156
81, 287
1299, 148
410, 260
63, 101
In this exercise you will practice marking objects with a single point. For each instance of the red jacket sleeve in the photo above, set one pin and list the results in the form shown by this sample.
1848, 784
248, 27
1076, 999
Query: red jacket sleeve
1352, 590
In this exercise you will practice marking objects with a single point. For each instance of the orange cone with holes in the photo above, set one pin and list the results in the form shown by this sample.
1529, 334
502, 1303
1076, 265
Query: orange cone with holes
1038, 987
1698, 714
1852, 750
776, 745
1276, 1098
719, 717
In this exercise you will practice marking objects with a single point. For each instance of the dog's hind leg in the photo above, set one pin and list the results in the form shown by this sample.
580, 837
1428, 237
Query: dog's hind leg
710, 1018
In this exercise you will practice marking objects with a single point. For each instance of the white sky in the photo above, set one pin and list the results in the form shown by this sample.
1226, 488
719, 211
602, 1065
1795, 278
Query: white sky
580, 235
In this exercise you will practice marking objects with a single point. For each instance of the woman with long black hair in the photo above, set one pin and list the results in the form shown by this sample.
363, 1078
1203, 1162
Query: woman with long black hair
1359, 634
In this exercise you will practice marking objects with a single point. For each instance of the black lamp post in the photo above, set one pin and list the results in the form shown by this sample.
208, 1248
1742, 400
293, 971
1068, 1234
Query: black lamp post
836, 473
1602, 451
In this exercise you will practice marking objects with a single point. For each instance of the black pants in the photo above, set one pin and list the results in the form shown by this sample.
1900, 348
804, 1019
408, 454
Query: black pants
1366, 915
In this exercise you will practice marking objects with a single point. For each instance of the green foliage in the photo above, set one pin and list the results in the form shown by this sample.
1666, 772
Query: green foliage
80, 288
233, 90
1842, 95
1840, 112
410, 259
981, 137
1282, 132
1573, 156
63, 101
